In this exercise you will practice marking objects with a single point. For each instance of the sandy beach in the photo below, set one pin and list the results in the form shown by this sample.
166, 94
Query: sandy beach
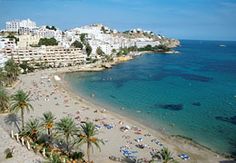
48, 94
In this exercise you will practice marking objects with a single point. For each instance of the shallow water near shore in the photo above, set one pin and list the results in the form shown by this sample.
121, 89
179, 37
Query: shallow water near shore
192, 93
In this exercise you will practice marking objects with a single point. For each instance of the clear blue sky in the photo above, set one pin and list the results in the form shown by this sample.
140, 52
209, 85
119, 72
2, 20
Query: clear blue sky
183, 19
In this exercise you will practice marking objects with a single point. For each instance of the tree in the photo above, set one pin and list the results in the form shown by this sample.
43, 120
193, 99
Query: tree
88, 49
21, 102
32, 129
48, 122
51, 28
12, 37
87, 136
55, 158
77, 44
78, 156
48, 41
113, 51
4, 100
103, 29
163, 48
159, 48
83, 38
31, 69
133, 48
109, 58
66, 129
24, 65
123, 51
99, 51
12, 71
164, 155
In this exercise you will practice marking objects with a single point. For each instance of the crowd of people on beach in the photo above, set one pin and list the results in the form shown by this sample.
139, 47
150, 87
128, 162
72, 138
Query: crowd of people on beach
43, 91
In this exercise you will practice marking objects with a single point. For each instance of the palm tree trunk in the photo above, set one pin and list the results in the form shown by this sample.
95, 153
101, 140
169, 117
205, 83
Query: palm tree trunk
49, 134
88, 152
35, 137
67, 144
22, 119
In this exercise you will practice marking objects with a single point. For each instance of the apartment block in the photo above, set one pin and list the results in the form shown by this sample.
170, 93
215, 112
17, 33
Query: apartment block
51, 56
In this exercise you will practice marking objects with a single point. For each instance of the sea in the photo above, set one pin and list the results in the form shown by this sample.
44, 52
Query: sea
192, 93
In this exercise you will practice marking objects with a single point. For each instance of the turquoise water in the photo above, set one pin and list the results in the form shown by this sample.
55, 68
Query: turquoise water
190, 94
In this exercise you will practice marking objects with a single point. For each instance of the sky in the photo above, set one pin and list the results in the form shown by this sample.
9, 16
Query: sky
181, 19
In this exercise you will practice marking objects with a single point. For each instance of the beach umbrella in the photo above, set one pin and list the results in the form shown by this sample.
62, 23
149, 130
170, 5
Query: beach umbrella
128, 127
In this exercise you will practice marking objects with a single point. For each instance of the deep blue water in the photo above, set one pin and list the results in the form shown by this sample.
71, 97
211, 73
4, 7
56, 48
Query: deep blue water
191, 94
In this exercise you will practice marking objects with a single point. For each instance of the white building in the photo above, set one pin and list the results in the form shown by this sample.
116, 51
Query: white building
27, 40
43, 32
15, 25
52, 55
3, 59
97, 38
7, 43
28, 24
111, 39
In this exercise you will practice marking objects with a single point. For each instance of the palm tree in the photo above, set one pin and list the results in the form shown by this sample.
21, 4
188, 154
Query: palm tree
48, 122
32, 129
21, 101
12, 71
66, 128
87, 136
4, 100
166, 155
54, 158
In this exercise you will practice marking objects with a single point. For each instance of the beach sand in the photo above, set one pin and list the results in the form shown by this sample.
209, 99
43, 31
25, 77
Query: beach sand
48, 94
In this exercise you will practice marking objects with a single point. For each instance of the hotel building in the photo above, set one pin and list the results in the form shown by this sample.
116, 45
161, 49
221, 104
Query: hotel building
15, 25
51, 56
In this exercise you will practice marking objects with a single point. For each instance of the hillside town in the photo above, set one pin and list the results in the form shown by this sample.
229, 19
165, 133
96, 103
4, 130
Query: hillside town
48, 46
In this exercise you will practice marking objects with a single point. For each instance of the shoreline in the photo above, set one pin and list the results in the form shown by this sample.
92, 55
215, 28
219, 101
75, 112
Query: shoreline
160, 133
91, 111
107, 65
114, 138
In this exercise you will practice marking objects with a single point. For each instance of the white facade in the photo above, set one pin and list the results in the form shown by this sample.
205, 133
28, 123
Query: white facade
15, 25
43, 32
3, 44
54, 55
109, 40
7, 43
27, 40
97, 36
3, 59
28, 24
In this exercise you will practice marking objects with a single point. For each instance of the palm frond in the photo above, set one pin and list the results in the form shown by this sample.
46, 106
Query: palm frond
21, 100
